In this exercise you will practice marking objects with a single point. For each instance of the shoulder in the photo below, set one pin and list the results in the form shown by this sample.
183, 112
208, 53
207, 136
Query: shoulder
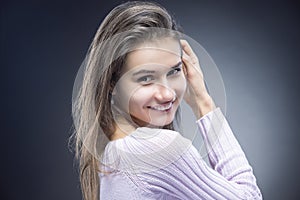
146, 149
152, 140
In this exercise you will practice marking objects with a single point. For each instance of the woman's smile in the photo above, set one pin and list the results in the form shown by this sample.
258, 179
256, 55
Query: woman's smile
165, 107
153, 84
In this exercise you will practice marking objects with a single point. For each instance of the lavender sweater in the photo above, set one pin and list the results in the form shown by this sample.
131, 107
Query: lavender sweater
161, 164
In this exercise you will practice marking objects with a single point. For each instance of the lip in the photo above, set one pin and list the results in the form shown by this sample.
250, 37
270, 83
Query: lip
165, 107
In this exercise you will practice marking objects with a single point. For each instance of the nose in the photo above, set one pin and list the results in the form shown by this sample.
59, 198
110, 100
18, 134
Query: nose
164, 94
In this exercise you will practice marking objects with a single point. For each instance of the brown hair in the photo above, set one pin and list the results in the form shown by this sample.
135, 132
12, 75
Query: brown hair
93, 118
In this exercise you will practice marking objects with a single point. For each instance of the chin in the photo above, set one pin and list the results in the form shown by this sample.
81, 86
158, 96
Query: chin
161, 123
155, 119
154, 123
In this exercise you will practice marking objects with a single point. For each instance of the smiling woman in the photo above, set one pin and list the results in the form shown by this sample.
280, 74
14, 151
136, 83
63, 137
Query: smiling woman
126, 114
152, 83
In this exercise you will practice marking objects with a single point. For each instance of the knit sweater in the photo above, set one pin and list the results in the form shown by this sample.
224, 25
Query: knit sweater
151, 164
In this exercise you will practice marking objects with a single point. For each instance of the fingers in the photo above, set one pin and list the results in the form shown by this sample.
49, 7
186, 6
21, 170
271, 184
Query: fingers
190, 60
196, 90
186, 47
188, 66
189, 51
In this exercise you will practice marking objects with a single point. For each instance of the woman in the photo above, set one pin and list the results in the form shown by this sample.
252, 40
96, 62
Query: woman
126, 115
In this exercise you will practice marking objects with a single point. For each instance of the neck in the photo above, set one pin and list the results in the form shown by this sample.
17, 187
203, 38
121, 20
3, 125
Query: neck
122, 129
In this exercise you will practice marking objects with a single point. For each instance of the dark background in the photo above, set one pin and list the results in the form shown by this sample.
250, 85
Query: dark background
254, 44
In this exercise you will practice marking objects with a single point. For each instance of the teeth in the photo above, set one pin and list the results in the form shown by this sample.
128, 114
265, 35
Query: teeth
161, 108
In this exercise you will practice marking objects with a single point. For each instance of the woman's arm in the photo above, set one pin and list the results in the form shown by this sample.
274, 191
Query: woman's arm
191, 178
231, 176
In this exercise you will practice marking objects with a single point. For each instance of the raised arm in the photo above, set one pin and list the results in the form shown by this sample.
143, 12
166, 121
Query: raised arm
191, 178
231, 176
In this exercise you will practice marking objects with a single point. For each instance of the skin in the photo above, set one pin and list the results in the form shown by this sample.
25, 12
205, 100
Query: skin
156, 77
196, 94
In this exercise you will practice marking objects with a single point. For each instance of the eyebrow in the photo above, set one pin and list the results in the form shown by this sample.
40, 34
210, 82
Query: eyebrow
144, 71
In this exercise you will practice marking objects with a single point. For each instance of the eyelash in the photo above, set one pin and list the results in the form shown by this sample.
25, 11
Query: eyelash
176, 71
170, 73
145, 77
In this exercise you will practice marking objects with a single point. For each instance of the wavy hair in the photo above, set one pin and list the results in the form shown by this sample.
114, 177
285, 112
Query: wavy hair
91, 109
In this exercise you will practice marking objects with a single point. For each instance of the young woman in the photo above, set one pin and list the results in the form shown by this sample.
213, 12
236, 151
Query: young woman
126, 116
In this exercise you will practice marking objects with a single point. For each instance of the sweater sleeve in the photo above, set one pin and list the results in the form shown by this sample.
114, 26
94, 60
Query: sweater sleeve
189, 177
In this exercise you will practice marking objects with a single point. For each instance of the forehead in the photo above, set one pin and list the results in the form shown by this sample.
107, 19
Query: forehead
164, 52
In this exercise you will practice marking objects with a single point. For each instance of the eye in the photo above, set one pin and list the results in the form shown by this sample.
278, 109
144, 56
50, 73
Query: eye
145, 79
174, 71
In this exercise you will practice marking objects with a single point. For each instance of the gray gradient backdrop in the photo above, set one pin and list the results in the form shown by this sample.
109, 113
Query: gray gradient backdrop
255, 45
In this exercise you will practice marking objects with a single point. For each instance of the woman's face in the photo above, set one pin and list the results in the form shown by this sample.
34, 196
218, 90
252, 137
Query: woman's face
153, 83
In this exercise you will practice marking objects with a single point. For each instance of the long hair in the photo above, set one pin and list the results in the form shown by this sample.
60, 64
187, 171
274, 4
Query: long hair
92, 113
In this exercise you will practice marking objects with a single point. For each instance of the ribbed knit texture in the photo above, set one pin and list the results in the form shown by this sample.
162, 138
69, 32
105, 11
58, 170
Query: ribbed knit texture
161, 164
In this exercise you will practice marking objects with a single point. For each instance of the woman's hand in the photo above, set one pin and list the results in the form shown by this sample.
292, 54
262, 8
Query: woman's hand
196, 94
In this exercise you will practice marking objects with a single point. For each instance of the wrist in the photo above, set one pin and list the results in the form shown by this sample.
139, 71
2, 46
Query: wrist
204, 106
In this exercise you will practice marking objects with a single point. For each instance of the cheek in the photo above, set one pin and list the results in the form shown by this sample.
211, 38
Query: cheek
129, 95
140, 98
179, 85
